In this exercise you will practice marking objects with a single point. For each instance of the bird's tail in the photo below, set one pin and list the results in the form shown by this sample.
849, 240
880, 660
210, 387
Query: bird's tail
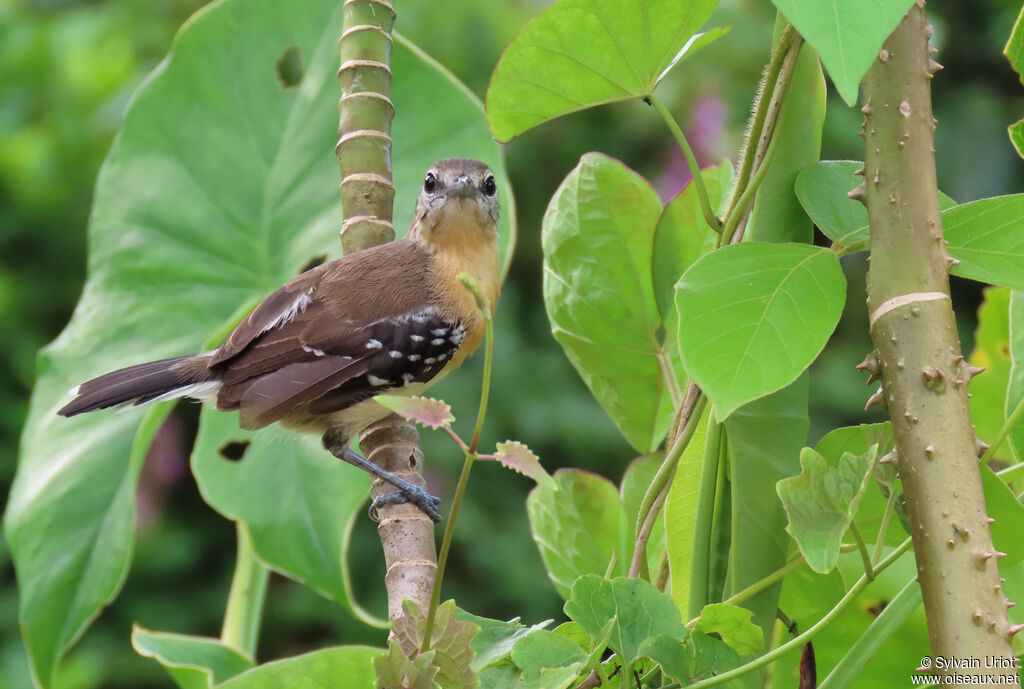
183, 376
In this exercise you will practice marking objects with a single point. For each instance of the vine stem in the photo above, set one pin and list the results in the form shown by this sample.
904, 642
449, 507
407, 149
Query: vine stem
469, 451
704, 521
690, 413
801, 639
883, 528
863, 550
1011, 421
241, 627
691, 160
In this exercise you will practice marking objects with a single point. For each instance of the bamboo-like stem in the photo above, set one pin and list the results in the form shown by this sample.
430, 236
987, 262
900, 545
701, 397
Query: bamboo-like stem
924, 375
367, 199
364, 127
241, 628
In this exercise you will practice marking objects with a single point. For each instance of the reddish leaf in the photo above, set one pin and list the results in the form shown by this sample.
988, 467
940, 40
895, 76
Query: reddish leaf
423, 410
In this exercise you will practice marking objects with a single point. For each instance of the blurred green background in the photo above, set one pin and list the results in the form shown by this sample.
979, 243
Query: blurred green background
67, 70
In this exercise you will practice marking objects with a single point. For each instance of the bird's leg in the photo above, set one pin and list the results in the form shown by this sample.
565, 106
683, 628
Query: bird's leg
338, 445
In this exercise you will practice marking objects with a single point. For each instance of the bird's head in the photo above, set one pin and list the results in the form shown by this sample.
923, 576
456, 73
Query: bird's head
458, 203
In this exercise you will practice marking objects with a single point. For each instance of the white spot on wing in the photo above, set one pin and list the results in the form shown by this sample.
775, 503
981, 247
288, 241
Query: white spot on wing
414, 357
438, 332
429, 360
74, 391
438, 341
417, 338
374, 344
407, 379
313, 350
395, 354
374, 380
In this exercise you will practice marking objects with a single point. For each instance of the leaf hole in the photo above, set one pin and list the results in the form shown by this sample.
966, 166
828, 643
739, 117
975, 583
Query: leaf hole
314, 262
234, 451
289, 67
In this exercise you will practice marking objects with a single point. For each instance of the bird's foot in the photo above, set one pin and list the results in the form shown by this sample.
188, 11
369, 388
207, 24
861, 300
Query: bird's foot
409, 493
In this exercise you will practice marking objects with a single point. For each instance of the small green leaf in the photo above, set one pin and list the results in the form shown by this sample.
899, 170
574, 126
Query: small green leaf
822, 190
597, 236
581, 53
395, 670
1014, 52
579, 528
821, 502
194, 662
846, 33
315, 670
1016, 132
683, 236
494, 642
754, 316
556, 677
733, 625
502, 676
450, 642
697, 657
544, 649
638, 608
518, 457
423, 410
987, 237
576, 633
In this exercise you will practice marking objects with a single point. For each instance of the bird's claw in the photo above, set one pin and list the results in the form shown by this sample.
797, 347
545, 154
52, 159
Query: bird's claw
414, 494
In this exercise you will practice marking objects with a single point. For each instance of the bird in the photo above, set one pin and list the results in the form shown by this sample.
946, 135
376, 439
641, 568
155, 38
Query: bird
395, 319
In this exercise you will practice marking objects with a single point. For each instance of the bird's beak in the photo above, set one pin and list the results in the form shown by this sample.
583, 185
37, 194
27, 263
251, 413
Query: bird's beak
462, 188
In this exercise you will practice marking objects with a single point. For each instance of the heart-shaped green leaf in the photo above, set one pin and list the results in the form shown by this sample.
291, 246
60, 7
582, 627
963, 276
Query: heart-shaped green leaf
581, 53
987, 237
222, 185
846, 33
597, 237
752, 317
314, 670
732, 624
821, 502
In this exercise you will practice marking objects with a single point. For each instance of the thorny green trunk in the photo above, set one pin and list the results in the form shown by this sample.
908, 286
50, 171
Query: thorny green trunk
917, 355
367, 196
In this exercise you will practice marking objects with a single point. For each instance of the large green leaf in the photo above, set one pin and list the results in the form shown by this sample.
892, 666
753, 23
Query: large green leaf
987, 237
681, 513
298, 500
822, 189
846, 33
581, 53
754, 316
683, 235
763, 440
597, 237
822, 500
578, 528
221, 186
194, 662
343, 667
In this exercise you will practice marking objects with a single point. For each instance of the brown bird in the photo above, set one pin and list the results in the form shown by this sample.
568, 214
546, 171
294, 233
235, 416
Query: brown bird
391, 319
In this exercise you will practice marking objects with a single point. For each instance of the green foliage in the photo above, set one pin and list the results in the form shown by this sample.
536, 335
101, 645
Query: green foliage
635, 608
822, 501
451, 639
194, 662
737, 304
847, 34
1014, 52
576, 55
992, 353
602, 308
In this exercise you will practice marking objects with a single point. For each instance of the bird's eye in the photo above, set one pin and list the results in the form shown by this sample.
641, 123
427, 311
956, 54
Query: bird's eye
429, 183
490, 188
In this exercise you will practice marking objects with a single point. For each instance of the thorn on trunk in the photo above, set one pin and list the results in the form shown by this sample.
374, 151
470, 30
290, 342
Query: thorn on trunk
858, 193
877, 399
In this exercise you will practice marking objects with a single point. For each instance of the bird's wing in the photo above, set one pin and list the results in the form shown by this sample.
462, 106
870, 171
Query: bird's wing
335, 338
